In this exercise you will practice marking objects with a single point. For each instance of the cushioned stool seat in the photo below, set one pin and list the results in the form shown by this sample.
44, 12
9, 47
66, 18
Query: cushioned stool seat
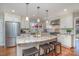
30, 52
45, 47
55, 44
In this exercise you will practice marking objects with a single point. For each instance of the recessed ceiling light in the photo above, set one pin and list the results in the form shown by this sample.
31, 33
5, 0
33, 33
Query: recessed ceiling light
13, 10
65, 9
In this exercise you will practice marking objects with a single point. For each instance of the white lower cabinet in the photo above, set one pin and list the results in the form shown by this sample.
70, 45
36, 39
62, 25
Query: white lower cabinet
65, 40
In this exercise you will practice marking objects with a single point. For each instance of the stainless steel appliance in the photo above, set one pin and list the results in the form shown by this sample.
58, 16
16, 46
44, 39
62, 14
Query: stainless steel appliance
12, 30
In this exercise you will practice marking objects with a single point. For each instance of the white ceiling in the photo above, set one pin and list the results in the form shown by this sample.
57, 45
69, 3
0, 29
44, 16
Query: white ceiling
55, 9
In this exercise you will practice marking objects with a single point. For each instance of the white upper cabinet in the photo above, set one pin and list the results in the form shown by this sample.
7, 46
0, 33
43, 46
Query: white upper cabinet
66, 21
12, 17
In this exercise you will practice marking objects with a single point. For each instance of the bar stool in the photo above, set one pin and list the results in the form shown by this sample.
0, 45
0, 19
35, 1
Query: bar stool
45, 47
30, 52
55, 44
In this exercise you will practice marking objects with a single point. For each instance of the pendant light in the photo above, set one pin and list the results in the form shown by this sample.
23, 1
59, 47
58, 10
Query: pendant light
27, 18
38, 20
46, 16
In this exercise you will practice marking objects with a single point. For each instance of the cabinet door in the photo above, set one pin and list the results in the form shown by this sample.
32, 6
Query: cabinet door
65, 40
61, 39
1, 33
66, 22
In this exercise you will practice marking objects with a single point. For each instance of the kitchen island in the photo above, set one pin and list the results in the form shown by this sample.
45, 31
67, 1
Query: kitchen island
26, 41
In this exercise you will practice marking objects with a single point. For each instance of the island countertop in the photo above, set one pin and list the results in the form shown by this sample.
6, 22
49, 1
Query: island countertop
23, 39
27, 41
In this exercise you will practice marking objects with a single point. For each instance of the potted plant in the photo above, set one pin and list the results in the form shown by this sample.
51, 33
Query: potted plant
69, 30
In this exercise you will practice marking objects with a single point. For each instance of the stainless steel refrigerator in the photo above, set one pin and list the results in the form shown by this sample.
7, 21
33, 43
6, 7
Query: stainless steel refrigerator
12, 30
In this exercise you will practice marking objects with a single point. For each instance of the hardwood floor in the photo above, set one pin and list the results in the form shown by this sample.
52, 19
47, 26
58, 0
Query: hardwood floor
65, 52
12, 52
8, 51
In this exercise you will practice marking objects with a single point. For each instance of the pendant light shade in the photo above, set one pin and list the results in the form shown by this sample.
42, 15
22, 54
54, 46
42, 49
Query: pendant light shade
46, 16
38, 20
27, 18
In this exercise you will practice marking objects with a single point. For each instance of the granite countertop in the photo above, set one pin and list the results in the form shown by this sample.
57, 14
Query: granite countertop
31, 39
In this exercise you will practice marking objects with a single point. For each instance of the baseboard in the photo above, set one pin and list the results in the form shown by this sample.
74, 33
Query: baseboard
72, 47
11, 47
1, 46
7, 47
67, 47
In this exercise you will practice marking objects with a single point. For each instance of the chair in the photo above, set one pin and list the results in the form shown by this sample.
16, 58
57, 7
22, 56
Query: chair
45, 47
55, 44
30, 52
